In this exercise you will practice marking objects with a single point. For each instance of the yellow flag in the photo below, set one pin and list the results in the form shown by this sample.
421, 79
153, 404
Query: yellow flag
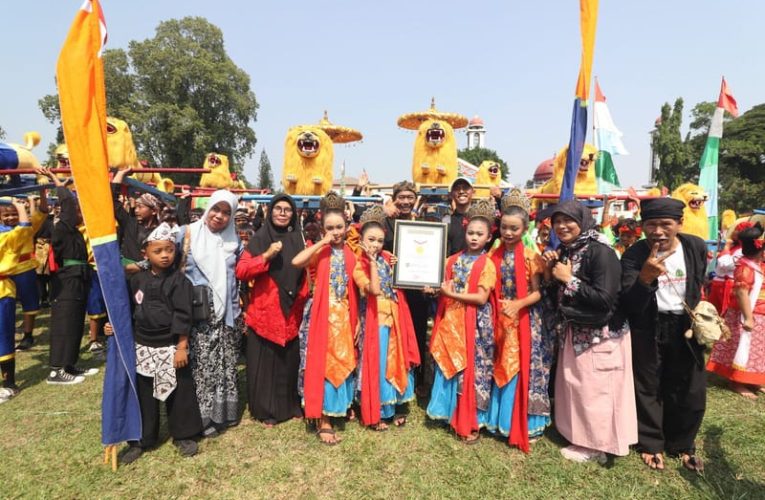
82, 97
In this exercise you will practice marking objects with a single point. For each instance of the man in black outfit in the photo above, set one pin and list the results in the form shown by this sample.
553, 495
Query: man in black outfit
461, 194
660, 275
404, 199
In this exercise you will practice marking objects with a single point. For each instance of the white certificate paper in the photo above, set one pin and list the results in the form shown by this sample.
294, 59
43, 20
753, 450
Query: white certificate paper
420, 248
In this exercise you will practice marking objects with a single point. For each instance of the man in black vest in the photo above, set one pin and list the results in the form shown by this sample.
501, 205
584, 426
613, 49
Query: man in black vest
661, 275
404, 200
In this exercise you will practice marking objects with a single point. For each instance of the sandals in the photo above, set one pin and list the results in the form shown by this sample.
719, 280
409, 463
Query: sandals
399, 420
379, 427
655, 462
328, 432
692, 463
472, 439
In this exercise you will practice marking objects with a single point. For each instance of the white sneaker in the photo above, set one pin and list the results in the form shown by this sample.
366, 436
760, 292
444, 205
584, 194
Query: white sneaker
6, 394
82, 372
580, 454
61, 377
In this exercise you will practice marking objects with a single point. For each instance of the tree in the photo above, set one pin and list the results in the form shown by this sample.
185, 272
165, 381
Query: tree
742, 162
265, 174
676, 163
2, 133
182, 96
478, 155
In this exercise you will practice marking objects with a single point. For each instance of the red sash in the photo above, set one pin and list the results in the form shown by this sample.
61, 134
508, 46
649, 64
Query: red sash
370, 372
465, 418
519, 425
316, 350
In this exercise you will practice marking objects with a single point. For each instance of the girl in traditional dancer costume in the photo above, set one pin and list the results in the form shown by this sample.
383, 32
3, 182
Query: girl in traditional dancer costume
741, 359
388, 344
520, 406
462, 343
327, 335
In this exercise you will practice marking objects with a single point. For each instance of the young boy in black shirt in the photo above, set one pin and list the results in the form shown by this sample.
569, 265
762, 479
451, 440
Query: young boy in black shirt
161, 298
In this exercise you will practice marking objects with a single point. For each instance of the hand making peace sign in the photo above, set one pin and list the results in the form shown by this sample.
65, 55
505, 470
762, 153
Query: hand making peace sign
654, 265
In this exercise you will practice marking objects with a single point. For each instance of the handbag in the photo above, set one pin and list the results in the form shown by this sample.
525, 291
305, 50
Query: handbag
707, 327
200, 295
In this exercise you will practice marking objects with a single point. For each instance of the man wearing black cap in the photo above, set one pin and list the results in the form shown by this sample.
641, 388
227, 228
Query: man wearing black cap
660, 275
461, 194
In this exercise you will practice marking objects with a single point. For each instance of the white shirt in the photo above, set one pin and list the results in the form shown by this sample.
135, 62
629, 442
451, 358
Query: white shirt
671, 294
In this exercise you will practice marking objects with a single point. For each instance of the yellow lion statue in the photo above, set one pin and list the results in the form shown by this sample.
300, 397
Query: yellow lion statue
435, 153
220, 175
122, 154
489, 173
21, 156
586, 182
695, 213
308, 159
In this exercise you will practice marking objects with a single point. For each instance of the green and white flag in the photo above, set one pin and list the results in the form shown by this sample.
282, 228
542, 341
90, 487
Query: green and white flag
710, 156
608, 141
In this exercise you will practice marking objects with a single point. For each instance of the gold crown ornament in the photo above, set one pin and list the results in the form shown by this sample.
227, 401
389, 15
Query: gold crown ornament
338, 133
332, 202
412, 121
375, 213
484, 208
516, 198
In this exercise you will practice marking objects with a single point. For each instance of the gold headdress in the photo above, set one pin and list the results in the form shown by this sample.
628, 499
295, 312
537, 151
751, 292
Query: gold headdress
375, 213
484, 209
516, 198
332, 202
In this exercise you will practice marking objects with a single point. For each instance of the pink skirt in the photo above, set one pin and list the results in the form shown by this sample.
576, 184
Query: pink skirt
595, 396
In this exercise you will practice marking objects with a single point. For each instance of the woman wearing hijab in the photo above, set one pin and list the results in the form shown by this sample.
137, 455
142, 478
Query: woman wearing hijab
594, 392
210, 248
277, 297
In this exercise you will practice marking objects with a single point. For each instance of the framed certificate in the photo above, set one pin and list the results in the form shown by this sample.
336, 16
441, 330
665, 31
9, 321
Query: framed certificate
421, 251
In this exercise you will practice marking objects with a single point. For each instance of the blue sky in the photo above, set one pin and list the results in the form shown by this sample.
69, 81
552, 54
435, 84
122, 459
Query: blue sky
512, 63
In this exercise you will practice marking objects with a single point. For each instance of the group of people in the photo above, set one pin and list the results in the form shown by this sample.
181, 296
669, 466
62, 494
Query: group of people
585, 333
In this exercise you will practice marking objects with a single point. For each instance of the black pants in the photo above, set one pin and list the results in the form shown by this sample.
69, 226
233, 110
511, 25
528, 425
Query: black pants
670, 386
419, 306
67, 320
183, 418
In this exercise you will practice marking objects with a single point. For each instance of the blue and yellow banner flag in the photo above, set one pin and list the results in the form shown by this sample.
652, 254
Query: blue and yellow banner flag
82, 97
588, 20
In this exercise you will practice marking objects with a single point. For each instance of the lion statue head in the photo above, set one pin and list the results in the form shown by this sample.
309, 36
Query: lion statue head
119, 144
695, 213
220, 174
489, 173
435, 153
308, 158
586, 182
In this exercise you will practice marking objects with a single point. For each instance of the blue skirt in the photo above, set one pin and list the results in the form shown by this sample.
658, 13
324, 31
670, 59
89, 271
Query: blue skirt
337, 400
443, 399
538, 424
501, 407
389, 396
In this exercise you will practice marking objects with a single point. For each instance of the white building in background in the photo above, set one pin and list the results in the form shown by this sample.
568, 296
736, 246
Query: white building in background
476, 133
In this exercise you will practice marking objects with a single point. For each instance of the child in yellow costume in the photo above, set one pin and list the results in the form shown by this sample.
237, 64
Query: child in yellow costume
11, 244
489, 173
435, 148
695, 213
586, 182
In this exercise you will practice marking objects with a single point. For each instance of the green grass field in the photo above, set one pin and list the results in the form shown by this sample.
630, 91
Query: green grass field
50, 448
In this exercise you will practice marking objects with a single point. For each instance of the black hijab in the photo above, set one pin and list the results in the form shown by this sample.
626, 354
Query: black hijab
583, 217
286, 276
